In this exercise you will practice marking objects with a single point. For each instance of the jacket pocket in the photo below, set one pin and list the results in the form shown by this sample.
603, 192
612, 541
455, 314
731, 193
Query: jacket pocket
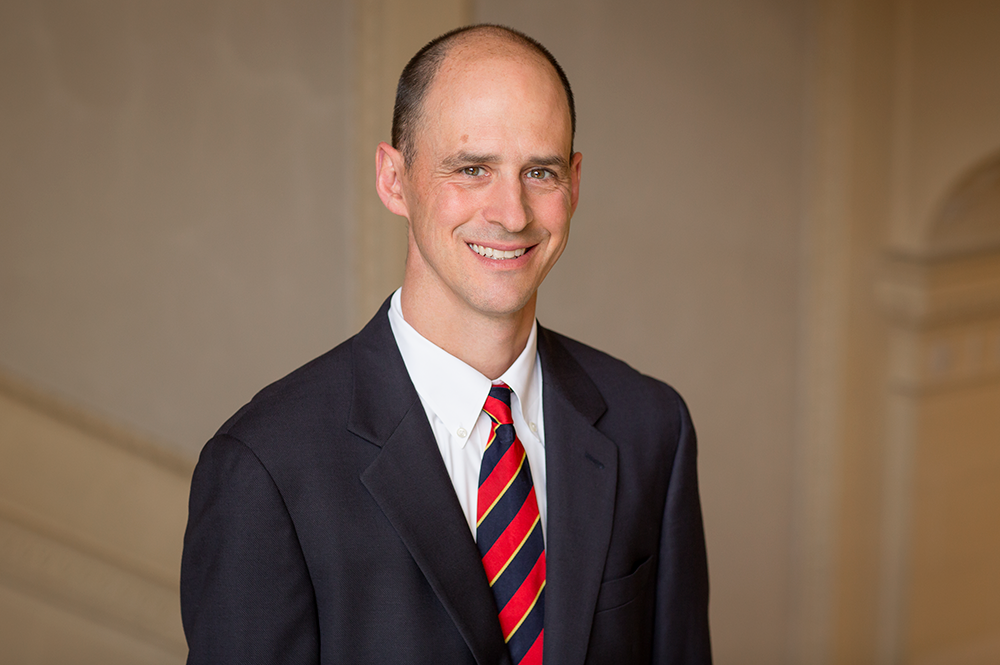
618, 592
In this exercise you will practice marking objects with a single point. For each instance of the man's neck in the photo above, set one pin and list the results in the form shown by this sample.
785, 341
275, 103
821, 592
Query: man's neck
490, 344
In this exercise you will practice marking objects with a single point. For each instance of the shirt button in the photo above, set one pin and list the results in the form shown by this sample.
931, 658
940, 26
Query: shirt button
533, 427
461, 433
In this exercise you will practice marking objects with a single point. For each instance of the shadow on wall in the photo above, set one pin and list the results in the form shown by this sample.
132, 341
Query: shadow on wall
91, 526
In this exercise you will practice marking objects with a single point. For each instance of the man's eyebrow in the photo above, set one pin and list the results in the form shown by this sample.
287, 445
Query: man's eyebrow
466, 158
553, 160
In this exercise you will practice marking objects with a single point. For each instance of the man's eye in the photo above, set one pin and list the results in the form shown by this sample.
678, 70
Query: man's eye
474, 171
539, 174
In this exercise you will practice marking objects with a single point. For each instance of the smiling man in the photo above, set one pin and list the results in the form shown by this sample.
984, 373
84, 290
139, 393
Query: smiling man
456, 484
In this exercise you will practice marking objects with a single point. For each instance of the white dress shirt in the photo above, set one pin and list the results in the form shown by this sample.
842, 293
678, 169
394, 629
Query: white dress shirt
453, 395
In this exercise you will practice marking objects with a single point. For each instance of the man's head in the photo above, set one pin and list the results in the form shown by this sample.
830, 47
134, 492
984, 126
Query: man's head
491, 180
422, 68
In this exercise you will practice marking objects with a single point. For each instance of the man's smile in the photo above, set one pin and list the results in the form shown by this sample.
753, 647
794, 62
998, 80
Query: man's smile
496, 254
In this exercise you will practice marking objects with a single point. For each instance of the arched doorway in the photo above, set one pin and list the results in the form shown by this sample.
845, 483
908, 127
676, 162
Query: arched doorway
942, 512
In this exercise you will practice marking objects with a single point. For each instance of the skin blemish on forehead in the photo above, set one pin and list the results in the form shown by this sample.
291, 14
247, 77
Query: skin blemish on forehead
465, 138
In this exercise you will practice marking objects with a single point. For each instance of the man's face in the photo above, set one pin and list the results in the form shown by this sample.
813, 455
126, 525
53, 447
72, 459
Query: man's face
493, 185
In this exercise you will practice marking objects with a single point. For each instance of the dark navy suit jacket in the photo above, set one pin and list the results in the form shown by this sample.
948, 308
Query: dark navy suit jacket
324, 528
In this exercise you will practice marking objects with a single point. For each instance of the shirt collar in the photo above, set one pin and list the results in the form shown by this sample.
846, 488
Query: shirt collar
454, 391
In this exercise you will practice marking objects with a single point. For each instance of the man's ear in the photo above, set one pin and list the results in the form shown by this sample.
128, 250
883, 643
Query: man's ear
576, 162
389, 179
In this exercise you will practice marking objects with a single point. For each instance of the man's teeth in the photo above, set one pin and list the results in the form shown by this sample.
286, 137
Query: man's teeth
491, 253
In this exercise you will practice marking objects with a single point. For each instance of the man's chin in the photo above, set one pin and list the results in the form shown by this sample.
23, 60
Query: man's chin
504, 305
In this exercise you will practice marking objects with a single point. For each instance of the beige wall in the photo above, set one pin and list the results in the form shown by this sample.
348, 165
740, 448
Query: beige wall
954, 574
946, 110
906, 113
177, 192
764, 222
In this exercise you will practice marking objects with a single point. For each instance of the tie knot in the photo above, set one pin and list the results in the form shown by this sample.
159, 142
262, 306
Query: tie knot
498, 404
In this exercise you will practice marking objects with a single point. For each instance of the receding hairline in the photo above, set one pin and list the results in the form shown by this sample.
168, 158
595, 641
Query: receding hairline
472, 50
498, 41
509, 41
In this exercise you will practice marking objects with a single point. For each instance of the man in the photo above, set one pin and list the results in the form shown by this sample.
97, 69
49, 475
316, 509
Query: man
456, 484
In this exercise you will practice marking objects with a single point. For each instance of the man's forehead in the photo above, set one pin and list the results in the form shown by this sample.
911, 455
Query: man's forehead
486, 97
487, 83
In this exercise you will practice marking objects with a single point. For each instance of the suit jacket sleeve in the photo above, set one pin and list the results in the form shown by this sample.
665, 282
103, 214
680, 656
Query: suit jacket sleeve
681, 632
245, 591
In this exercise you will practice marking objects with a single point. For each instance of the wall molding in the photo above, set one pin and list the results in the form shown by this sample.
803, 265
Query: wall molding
927, 291
945, 321
943, 309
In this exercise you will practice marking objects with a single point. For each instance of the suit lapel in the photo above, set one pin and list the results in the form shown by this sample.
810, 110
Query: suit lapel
582, 469
411, 486
409, 482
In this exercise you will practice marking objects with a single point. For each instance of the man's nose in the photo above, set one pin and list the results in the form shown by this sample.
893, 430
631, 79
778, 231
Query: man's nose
508, 205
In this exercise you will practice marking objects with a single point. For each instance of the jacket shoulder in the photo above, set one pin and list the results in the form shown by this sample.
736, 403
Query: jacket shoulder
618, 382
315, 391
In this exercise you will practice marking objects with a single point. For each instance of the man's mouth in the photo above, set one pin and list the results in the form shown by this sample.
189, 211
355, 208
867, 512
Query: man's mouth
497, 254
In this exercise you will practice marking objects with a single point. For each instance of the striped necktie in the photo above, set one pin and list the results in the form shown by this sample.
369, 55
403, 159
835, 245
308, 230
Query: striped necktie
509, 533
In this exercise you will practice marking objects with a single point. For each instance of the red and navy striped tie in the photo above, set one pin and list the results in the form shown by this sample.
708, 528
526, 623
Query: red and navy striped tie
509, 533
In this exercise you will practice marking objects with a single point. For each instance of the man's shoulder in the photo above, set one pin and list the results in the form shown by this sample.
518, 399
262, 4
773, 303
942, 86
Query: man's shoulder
619, 384
317, 394
313, 392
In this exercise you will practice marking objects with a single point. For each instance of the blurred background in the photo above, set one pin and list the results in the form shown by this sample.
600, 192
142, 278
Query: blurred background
790, 211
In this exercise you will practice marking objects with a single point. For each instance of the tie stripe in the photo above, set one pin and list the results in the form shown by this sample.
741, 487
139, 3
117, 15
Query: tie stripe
511, 541
506, 585
534, 653
509, 534
496, 484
